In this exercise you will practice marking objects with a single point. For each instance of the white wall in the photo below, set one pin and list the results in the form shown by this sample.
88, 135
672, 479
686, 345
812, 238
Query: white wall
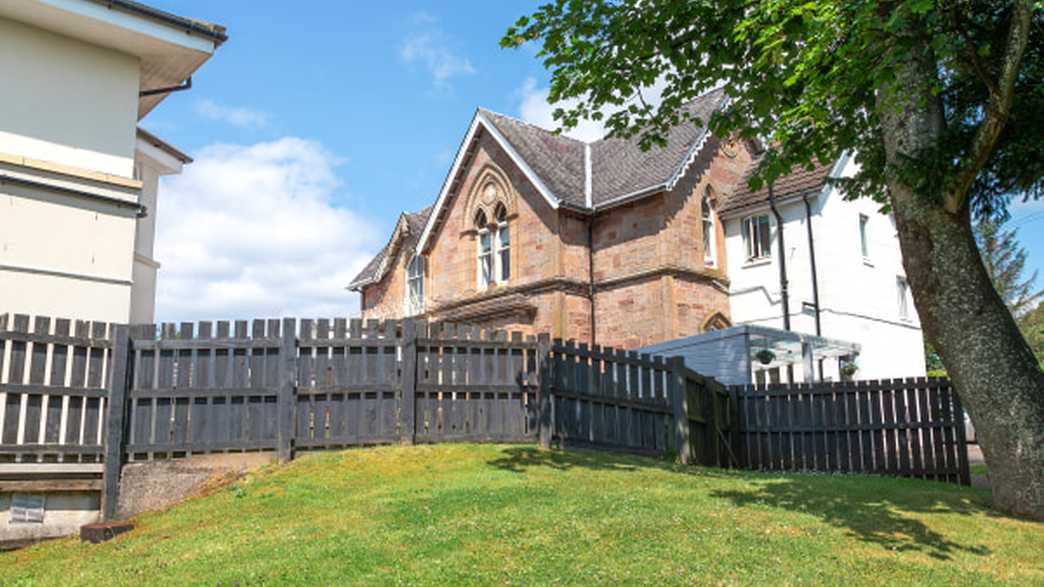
858, 298
66, 101
64, 256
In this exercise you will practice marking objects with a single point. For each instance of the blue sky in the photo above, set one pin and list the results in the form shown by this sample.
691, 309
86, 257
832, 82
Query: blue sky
314, 126
389, 87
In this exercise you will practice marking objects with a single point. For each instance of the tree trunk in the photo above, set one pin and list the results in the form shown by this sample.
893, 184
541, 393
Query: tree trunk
989, 362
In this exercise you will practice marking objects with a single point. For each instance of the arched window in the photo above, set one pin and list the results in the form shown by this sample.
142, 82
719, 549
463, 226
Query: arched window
709, 240
503, 244
485, 250
415, 285
494, 247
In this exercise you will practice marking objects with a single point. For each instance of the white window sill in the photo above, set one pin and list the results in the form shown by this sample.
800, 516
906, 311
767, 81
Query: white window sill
757, 262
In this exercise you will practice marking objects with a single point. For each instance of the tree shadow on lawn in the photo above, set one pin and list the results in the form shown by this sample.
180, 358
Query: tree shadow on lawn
876, 510
870, 509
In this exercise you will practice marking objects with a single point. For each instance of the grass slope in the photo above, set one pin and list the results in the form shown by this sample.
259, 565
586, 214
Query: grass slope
488, 514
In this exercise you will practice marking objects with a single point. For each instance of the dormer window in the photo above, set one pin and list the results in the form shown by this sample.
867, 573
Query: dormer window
707, 215
415, 285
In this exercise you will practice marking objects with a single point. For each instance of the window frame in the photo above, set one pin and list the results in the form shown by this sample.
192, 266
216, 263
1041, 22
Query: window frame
501, 271
902, 287
707, 224
750, 230
864, 238
415, 270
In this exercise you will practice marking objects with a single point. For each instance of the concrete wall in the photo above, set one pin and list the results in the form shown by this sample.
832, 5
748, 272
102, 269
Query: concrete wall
145, 486
68, 102
858, 296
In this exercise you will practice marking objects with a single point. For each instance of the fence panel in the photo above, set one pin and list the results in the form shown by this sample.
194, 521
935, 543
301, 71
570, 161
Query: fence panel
349, 377
611, 399
474, 385
907, 428
52, 390
202, 391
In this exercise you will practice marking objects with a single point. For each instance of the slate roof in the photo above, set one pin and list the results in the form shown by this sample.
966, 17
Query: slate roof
557, 159
376, 268
799, 181
618, 167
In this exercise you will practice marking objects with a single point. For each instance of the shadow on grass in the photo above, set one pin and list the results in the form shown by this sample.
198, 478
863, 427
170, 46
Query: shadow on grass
873, 510
876, 510
518, 459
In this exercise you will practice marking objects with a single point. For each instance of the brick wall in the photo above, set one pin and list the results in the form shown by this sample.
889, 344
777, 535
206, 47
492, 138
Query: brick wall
653, 283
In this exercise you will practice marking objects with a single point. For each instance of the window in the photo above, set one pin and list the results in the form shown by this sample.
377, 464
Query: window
757, 237
902, 294
415, 285
494, 248
503, 246
863, 220
707, 214
485, 250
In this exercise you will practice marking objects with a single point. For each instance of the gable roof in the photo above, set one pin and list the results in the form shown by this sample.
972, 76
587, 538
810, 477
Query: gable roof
619, 167
557, 159
798, 182
584, 176
407, 232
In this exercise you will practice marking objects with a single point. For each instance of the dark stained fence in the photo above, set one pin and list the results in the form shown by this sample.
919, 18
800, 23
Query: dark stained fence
349, 377
475, 385
53, 377
87, 394
610, 398
206, 390
902, 427
711, 419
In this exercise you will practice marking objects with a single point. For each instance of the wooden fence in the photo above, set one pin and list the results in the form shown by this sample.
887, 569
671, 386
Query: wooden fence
53, 390
905, 427
620, 400
92, 396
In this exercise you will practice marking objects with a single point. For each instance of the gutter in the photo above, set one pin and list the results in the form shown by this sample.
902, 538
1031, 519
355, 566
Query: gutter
214, 32
590, 276
812, 262
782, 259
141, 210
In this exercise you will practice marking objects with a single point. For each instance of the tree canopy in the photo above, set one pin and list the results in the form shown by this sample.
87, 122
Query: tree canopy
804, 77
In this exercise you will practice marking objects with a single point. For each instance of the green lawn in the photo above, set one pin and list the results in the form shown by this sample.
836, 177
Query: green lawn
513, 515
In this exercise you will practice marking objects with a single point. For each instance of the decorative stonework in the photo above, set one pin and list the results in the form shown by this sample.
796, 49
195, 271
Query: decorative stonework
491, 187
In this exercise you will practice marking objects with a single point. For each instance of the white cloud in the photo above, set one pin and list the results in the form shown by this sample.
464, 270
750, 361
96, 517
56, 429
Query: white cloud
536, 109
252, 231
429, 46
236, 116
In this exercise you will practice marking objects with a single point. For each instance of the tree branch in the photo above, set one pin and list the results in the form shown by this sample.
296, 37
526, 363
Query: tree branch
997, 109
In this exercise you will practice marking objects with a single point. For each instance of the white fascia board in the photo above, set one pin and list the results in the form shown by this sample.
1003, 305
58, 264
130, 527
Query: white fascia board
137, 24
696, 148
444, 192
163, 162
480, 120
520, 162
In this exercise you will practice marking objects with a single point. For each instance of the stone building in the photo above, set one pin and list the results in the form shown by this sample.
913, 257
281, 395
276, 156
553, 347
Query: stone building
595, 241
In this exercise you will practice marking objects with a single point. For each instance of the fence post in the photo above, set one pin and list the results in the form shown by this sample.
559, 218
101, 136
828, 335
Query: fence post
114, 416
544, 372
680, 408
408, 403
287, 371
964, 473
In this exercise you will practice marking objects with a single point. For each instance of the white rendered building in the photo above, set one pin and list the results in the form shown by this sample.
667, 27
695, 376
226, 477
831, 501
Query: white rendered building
78, 178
